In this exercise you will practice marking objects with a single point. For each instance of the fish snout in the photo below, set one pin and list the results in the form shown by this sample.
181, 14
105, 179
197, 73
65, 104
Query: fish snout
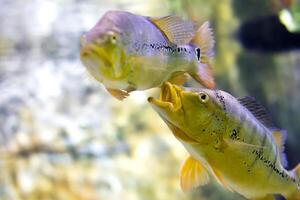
85, 53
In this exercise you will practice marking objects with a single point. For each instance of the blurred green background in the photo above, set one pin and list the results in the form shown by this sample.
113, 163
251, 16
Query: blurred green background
63, 137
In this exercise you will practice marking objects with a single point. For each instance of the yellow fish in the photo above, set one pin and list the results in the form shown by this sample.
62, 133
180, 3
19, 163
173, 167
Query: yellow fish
232, 139
128, 52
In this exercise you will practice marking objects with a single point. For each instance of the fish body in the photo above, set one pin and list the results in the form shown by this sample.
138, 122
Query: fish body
232, 139
128, 52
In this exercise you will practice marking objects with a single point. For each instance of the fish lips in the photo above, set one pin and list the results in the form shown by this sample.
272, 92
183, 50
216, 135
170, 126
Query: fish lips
170, 98
93, 52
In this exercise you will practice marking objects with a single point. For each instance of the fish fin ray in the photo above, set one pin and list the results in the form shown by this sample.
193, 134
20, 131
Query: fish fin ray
257, 110
205, 41
177, 30
220, 179
204, 75
119, 94
192, 174
179, 78
280, 138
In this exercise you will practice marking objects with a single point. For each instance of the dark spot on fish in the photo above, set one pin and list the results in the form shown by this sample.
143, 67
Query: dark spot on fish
234, 135
178, 49
198, 53
221, 98
203, 130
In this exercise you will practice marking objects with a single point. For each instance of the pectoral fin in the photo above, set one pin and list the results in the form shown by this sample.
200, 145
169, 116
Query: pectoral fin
178, 78
119, 94
192, 174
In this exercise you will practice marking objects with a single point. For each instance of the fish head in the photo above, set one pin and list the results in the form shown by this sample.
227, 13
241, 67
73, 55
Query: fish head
102, 49
189, 110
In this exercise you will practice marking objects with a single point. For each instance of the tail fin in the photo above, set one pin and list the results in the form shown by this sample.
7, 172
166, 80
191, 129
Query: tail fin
296, 194
205, 41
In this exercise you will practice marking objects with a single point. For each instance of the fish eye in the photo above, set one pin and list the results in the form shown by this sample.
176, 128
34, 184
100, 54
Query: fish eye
113, 38
203, 97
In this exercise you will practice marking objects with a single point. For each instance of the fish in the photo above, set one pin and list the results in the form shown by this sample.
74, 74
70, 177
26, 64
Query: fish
232, 139
127, 52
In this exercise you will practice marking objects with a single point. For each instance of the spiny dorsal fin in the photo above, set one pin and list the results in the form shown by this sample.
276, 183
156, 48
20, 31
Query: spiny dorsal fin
192, 174
177, 30
280, 137
257, 110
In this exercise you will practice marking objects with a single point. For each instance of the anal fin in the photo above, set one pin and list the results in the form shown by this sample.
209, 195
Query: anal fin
192, 174
204, 76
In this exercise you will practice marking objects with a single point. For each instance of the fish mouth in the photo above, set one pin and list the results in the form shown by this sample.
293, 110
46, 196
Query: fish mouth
170, 100
96, 54
170, 97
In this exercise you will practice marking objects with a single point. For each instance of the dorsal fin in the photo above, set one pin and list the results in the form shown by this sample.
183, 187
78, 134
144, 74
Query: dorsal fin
257, 110
177, 30
280, 137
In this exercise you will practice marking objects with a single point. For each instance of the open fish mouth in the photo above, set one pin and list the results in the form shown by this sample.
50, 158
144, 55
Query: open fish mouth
169, 97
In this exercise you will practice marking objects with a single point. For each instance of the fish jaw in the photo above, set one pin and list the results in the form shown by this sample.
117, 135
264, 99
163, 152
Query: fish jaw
169, 107
103, 59
169, 100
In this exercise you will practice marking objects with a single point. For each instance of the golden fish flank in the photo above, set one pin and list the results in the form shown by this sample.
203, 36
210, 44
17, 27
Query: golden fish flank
232, 139
128, 52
